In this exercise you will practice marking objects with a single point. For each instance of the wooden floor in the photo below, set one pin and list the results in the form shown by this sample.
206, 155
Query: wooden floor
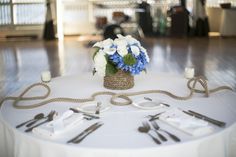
21, 63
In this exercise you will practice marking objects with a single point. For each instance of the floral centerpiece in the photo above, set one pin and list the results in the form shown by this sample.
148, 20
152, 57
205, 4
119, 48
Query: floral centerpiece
119, 60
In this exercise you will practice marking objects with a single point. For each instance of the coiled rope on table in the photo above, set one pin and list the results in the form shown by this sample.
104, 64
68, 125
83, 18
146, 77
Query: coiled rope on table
191, 84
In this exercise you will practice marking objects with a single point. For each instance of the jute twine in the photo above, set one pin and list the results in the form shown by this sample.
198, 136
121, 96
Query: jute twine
191, 84
119, 81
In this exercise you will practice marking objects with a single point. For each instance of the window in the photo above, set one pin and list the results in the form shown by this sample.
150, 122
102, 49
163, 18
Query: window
22, 12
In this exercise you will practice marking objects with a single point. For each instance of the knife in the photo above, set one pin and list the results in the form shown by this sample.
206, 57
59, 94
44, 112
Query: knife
88, 133
219, 123
202, 117
84, 113
84, 132
156, 116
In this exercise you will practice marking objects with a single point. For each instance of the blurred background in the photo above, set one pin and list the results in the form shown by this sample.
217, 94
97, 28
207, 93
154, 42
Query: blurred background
57, 35
26, 18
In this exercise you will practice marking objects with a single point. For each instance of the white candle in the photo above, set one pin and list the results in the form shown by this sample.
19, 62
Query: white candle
189, 72
46, 76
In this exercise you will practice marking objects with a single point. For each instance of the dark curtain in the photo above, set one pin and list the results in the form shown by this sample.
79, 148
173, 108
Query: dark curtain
145, 19
202, 25
183, 3
49, 33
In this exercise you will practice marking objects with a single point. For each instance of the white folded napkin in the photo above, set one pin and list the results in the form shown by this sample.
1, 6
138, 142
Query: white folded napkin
189, 124
67, 121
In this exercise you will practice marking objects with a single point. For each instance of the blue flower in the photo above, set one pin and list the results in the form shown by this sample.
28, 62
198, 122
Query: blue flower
135, 69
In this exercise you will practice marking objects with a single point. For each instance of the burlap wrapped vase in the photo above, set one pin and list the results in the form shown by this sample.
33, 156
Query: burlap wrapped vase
119, 81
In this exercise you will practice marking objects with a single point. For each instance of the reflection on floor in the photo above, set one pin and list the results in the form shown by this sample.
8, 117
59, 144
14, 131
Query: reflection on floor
21, 63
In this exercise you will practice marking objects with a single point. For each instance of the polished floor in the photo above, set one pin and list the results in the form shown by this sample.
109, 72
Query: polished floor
22, 62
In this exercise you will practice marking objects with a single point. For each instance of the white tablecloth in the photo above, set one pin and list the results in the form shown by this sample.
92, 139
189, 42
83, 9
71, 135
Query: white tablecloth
119, 136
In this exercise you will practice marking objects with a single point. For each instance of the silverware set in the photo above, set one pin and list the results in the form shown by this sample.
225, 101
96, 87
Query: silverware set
146, 128
77, 139
49, 119
191, 113
30, 123
35, 119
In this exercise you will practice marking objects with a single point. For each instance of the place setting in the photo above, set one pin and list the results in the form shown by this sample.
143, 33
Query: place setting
189, 122
53, 125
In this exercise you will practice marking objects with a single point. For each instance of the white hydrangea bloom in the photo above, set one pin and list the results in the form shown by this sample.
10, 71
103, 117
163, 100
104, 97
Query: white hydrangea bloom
130, 40
143, 49
135, 50
122, 50
101, 71
107, 43
100, 63
119, 42
120, 36
121, 45
104, 44
110, 51
98, 44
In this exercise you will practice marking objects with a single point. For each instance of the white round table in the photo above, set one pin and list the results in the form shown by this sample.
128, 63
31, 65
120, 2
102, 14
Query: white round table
119, 135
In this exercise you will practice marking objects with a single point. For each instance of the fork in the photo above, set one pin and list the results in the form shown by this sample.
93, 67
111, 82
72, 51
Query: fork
157, 127
163, 138
146, 130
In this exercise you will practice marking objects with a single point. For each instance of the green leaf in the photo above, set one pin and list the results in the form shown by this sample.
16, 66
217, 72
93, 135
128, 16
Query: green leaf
129, 59
110, 69
96, 49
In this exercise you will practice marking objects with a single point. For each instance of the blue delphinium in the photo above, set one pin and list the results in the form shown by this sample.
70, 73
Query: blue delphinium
134, 69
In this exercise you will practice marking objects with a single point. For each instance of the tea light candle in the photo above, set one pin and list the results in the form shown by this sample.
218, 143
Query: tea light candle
189, 72
46, 76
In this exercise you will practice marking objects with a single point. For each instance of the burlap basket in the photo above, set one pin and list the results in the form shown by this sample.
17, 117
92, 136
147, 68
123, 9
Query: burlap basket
119, 81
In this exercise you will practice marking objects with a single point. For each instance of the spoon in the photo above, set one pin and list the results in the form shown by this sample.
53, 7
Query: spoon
36, 120
36, 117
146, 130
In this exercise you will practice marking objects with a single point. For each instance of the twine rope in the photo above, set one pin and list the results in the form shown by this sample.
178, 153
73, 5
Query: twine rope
191, 84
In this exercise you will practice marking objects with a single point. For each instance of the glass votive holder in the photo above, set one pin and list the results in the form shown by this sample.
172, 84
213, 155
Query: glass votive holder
189, 72
46, 76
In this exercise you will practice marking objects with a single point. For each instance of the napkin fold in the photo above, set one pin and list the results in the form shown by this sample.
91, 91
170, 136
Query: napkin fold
67, 121
189, 124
